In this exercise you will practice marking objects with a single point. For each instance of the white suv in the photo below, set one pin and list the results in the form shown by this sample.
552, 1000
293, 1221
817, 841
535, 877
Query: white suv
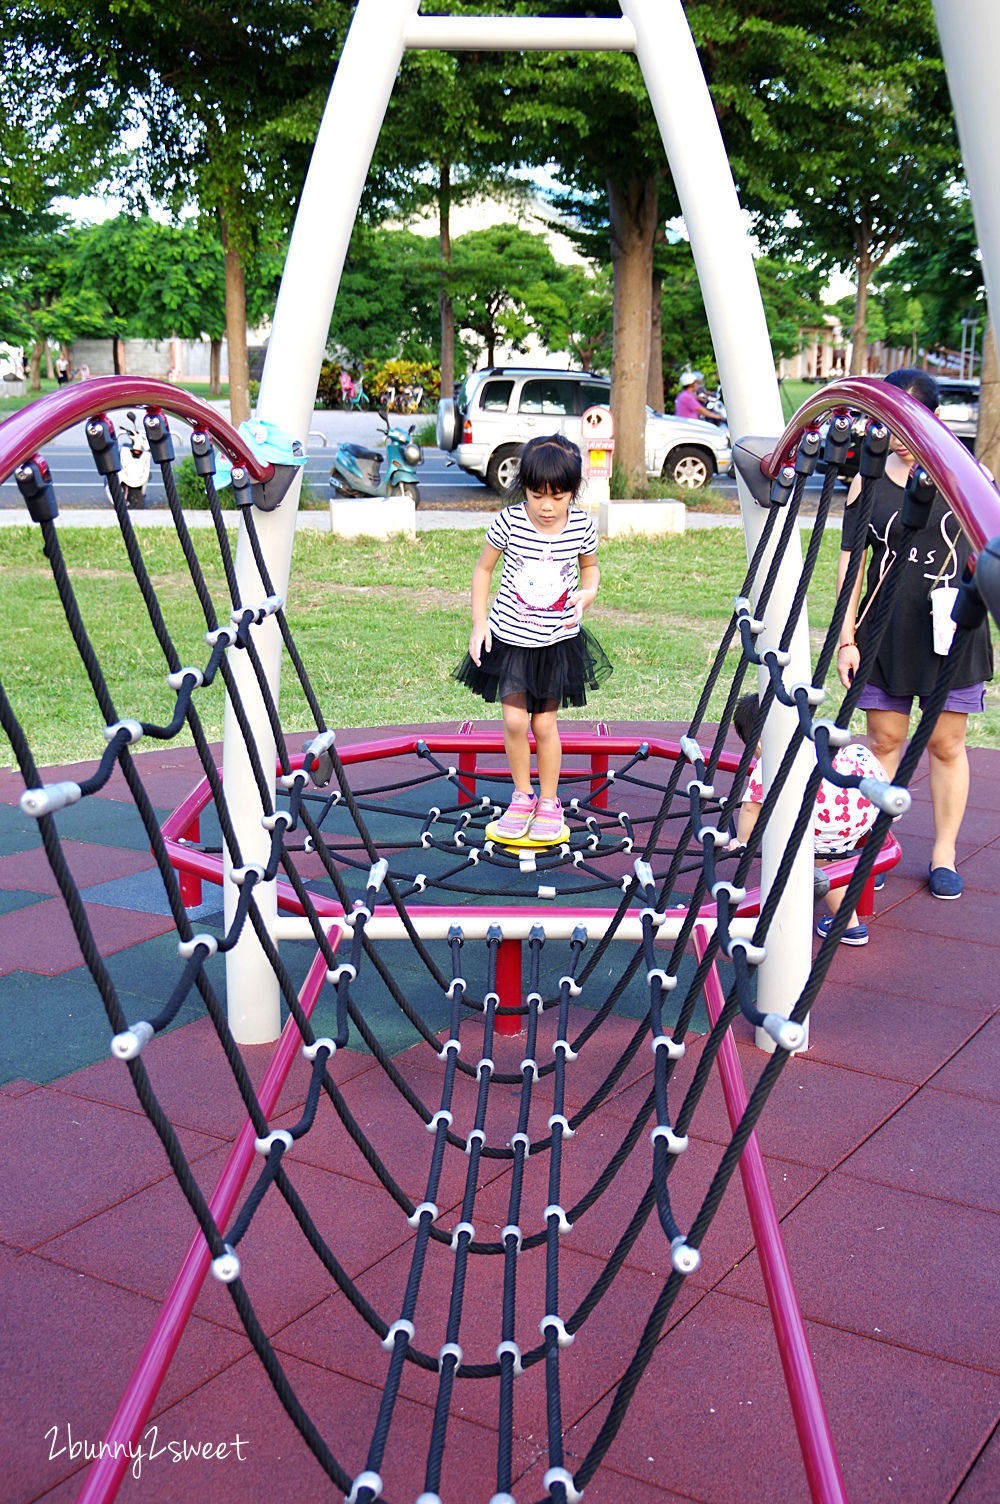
498, 409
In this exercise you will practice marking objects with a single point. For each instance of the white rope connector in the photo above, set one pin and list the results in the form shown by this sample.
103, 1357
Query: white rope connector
689, 746
345, 969
426, 1498
703, 790
220, 634
755, 954
534, 997
457, 984
476, 1135
515, 1352
450, 1044
175, 681
521, 1138
657, 974
574, 987
546, 891
512, 1229
563, 1121
134, 729
814, 696
736, 895
462, 1227
486, 1064
310, 1051
838, 736
526, 861
441, 1116
418, 1211
786, 1034
239, 875
280, 817
450, 1350
529, 1064
563, 1337
886, 796
560, 1475
47, 799
676, 1142
389, 1340
288, 781
555, 1210
129, 1044
226, 1267
187, 948
360, 913
674, 1047
719, 837
684, 1258
420, 882
781, 656
277, 1136
368, 1480
503, 1499
568, 1051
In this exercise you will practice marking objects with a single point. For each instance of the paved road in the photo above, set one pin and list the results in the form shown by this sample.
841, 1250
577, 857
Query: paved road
442, 484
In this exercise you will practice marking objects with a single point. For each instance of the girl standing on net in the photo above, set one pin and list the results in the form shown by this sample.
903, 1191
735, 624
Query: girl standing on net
530, 651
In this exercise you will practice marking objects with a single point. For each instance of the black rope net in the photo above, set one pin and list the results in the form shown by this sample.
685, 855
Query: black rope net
500, 1183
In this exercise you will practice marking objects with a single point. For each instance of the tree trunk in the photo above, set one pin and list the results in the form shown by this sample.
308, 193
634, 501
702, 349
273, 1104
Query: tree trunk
236, 339
654, 378
444, 299
214, 367
633, 214
35, 367
988, 427
859, 333
118, 353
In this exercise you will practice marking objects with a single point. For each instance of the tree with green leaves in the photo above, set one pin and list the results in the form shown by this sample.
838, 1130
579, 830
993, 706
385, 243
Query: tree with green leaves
837, 118
387, 306
225, 104
506, 287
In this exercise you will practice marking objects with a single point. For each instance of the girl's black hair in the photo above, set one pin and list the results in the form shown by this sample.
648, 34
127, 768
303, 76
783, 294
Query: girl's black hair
549, 463
744, 716
919, 385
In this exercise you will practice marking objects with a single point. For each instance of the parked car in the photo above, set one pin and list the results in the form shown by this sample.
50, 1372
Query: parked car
497, 409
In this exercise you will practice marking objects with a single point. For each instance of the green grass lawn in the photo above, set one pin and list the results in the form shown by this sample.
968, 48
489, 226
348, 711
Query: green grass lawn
379, 625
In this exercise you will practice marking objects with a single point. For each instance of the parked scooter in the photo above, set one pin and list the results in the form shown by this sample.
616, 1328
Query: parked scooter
357, 471
133, 449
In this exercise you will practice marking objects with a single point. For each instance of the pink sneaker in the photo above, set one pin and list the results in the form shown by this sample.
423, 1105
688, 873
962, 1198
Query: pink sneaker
517, 817
548, 822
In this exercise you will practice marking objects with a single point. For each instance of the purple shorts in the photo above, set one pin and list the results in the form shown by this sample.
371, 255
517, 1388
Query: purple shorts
961, 701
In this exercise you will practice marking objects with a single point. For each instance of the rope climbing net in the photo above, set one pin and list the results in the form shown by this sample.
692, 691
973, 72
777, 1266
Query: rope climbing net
516, 1158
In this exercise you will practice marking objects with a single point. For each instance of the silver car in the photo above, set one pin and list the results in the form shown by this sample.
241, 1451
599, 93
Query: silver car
498, 409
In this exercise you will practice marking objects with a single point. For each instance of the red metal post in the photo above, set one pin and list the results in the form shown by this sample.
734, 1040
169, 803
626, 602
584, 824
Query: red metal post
190, 882
509, 986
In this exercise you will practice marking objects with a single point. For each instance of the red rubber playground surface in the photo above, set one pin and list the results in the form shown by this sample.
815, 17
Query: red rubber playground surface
879, 1145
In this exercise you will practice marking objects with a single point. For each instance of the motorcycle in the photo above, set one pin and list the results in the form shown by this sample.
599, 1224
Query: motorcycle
133, 449
357, 471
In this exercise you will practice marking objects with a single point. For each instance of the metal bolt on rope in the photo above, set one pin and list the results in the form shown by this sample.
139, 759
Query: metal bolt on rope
227, 1266
130, 1042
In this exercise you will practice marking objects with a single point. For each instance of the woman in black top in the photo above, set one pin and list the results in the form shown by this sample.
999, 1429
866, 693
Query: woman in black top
906, 663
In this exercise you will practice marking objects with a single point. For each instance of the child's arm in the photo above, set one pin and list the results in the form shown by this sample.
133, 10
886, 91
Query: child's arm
480, 635
590, 578
749, 810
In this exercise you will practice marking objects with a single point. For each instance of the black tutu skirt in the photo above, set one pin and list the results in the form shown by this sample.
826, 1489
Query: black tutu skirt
557, 675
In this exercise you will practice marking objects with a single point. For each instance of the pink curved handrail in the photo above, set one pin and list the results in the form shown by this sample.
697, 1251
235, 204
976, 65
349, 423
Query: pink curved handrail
970, 493
25, 431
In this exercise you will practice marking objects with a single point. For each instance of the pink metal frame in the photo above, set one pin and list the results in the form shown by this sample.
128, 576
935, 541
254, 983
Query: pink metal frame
23, 433
971, 495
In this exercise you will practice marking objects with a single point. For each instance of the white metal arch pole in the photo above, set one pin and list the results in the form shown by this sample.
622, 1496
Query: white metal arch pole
970, 44
327, 210
714, 220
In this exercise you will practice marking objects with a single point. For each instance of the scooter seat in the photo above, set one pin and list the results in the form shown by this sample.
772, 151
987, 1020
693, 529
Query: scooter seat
361, 453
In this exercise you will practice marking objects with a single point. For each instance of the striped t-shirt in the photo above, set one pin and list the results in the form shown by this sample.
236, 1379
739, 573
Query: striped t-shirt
540, 572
